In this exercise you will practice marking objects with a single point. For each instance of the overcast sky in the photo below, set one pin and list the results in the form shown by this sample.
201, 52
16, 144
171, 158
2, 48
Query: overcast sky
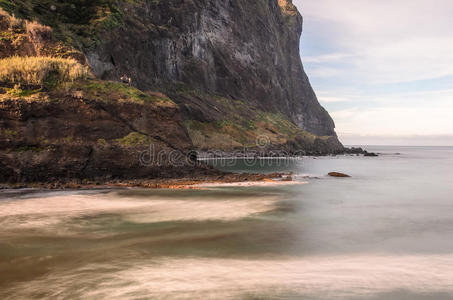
382, 68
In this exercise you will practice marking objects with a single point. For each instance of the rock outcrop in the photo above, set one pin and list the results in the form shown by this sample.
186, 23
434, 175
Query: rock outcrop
338, 174
66, 138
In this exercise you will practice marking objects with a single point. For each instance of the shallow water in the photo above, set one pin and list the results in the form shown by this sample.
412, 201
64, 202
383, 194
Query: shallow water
385, 233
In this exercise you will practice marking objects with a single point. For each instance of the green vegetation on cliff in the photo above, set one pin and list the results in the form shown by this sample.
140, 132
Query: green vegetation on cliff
75, 22
231, 134
100, 90
238, 125
135, 139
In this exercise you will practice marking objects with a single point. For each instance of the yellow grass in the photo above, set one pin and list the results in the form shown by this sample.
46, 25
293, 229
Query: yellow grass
10, 21
3, 13
35, 29
40, 71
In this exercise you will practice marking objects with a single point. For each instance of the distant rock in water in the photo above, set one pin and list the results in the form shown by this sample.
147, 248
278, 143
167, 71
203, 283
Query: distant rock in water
370, 154
359, 151
337, 174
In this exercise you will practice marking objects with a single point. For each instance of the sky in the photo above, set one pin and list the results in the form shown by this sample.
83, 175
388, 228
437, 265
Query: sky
382, 68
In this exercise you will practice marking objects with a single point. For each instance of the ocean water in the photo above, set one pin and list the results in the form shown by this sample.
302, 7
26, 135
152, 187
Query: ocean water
384, 233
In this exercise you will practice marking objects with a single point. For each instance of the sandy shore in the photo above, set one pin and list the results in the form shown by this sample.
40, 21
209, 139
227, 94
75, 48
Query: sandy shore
249, 184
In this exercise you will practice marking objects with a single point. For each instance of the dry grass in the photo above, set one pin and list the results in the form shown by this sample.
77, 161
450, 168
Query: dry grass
36, 30
10, 22
40, 71
4, 15
39, 35
16, 23
5, 20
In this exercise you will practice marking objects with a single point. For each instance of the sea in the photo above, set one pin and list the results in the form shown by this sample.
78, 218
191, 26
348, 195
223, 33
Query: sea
384, 233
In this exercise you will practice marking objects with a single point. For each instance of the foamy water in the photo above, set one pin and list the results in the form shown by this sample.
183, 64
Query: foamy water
250, 184
200, 278
43, 212
384, 233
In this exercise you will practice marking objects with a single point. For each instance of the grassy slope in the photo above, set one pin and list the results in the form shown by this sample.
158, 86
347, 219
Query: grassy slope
92, 89
239, 125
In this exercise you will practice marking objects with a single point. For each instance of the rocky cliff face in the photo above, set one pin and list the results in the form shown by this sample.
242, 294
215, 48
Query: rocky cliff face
239, 49
206, 75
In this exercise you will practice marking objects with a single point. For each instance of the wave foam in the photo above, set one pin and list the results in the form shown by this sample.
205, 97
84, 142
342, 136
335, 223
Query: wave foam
334, 277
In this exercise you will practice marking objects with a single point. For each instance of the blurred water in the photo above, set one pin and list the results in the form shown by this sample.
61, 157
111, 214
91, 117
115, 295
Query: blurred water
384, 233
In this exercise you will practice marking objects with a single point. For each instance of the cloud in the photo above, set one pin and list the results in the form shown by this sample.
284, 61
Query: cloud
333, 57
381, 67
372, 19
406, 60
383, 41
325, 71
395, 121
404, 140
414, 118
332, 97
324, 99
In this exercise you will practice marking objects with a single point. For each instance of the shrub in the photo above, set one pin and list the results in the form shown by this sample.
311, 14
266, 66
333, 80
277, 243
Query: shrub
134, 139
8, 21
16, 24
38, 32
78, 23
40, 71
4, 19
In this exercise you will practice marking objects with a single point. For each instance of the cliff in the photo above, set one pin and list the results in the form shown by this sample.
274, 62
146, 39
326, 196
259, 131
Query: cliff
243, 50
205, 75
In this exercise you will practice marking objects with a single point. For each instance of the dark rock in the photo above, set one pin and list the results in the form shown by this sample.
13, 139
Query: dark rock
66, 139
370, 154
337, 174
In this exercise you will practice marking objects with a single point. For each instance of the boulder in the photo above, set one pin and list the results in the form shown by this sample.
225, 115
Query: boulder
337, 174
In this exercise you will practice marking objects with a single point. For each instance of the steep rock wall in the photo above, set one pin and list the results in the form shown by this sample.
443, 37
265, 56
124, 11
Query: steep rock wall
239, 49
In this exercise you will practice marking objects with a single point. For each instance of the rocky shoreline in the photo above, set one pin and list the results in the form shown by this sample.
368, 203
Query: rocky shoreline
170, 177
192, 178
280, 153
175, 183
